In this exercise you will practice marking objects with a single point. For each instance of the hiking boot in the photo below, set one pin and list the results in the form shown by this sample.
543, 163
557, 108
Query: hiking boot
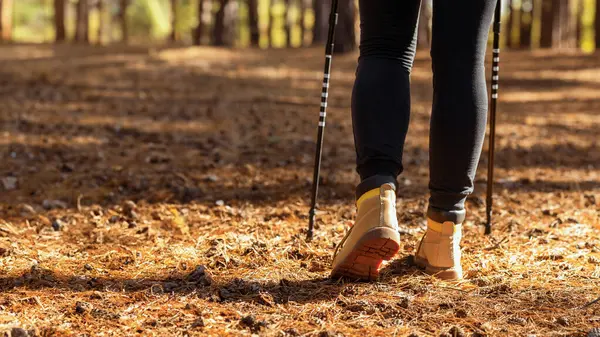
439, 251
373, 238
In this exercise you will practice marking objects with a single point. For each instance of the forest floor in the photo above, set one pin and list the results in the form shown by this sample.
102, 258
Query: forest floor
164, 192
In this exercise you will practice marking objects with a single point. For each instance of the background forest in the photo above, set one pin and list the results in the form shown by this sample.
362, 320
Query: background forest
267, 23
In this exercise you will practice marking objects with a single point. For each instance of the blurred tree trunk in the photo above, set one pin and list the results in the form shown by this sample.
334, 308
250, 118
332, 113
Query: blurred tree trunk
108, 21
253, 19
321, 9
579, 10
101, 27
547, 35
123, 4
564, 25
174, 36
597, 24
6, 20
59, 20
526, 23
556, 22
198, 32
219, 27
271, 21
232, 22
267, 32
287, 25
304, 4
345, 35
517, 14
83, 18
558, 26
509, 24
423, 29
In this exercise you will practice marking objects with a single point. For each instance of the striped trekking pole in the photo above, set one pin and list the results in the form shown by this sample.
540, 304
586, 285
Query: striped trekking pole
492, 142
333, 16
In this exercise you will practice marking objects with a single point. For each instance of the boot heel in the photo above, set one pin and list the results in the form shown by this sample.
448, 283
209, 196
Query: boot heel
377, 245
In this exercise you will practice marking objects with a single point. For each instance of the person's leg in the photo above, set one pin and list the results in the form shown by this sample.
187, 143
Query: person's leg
381, 95
380, 112
458, 119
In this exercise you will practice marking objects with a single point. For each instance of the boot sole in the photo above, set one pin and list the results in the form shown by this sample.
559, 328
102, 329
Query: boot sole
441, 273
370, 251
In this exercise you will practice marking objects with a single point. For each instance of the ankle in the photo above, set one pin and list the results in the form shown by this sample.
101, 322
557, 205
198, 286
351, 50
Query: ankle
446, 228
374, 182
442, 216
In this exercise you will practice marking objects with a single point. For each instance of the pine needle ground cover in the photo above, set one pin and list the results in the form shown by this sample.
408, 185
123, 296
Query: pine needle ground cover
164, 192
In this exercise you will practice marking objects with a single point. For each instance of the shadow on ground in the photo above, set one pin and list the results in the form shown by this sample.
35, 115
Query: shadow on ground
179, 125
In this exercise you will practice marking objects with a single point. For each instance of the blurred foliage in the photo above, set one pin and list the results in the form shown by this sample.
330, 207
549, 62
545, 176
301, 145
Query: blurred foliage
587, 21
33, 22
149, 18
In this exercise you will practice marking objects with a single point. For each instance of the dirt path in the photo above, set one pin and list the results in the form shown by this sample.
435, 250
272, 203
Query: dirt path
125, 169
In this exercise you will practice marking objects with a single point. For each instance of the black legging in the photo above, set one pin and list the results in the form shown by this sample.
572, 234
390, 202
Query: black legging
381, 96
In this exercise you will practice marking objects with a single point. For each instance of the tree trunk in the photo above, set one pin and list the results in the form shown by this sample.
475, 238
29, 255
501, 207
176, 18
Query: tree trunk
579, 10
174, 36
231, 22
556, 20
547, 34
271, 21
219, 27
198, 32
515, 38
107, 27
423, 29
526, 23
123, 4
508, 24
345, 35
82, 27
101, 27
321, 9
59, 20
563, 25
303, 6
287, 26
6, 20
253, 19
267, 30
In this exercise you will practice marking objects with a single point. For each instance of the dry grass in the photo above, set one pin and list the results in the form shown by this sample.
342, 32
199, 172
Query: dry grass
215, 150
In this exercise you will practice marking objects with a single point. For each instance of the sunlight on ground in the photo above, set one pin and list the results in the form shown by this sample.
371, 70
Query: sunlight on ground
160, 192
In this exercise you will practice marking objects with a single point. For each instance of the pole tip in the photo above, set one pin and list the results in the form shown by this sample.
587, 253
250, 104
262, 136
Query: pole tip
311, 223
488, 228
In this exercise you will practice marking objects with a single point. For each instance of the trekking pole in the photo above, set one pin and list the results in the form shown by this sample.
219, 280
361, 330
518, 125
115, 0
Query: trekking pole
333, 17
492, 142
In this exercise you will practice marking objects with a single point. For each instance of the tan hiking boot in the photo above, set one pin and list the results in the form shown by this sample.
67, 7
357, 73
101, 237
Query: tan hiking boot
439, 251
373, 238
